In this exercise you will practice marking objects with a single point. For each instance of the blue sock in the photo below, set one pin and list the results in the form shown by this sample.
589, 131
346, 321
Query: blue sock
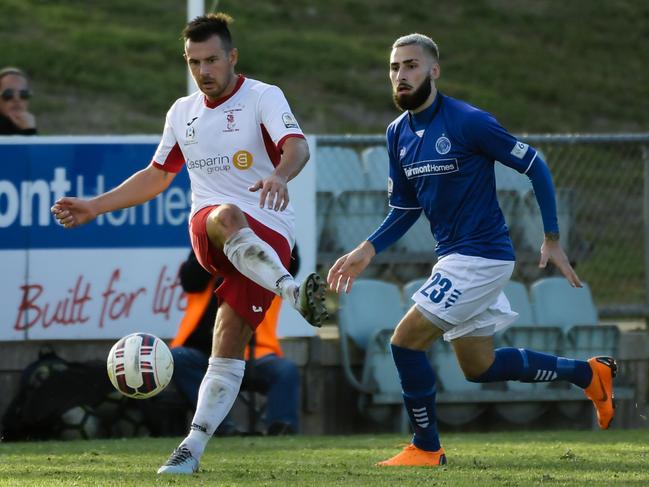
530, 366
418, 384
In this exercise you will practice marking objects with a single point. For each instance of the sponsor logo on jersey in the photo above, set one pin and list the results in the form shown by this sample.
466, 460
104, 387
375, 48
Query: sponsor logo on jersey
443, 145
257, 309
190, 135
289, 120
214, 164
431, 168
519, 150
242, 159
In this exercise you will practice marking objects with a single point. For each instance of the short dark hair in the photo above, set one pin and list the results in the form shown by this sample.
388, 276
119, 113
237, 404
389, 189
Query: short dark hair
215, 24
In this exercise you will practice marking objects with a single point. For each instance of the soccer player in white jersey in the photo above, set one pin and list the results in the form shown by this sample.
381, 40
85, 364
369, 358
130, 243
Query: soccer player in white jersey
442, 154
241, 145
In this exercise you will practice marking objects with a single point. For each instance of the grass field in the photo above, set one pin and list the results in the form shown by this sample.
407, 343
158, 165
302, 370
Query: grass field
549, 458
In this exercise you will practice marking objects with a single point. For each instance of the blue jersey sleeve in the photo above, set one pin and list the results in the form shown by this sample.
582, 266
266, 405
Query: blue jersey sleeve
395, 225
495, 142
541, 179
490, 138
401, 194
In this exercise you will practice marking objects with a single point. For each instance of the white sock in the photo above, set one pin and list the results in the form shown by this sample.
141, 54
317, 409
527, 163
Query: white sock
216, 396
259, 262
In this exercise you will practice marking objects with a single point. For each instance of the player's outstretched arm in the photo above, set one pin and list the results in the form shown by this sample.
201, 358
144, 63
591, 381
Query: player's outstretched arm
274, 188
347, 268
551, 251
139, 188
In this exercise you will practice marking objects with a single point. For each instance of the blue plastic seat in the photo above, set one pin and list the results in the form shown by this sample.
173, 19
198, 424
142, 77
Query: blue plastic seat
557, 303
411, 288
525, 334
359, 213
338, 169
368, 316
377, 167
573, 309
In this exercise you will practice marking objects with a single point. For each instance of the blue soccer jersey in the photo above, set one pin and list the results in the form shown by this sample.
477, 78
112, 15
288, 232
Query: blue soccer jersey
448, 171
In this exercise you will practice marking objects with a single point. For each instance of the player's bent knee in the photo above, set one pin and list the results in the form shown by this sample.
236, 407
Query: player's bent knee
474, 371
223, 221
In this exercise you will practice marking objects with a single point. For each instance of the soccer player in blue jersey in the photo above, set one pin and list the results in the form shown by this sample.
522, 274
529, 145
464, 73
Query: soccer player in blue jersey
442, 152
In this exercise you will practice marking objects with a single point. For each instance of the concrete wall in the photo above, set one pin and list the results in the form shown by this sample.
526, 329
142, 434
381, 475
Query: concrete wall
330, 404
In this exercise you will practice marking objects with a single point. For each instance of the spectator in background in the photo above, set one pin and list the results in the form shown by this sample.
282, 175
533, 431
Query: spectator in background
15, 117
271, 374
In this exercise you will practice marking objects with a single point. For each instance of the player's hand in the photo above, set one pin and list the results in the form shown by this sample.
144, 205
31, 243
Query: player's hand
72, 212
23, 119
274, 192
347, 268
551, 251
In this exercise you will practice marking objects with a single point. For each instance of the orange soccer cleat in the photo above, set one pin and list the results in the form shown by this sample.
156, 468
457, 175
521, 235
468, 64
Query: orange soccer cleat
411, 456
600, 390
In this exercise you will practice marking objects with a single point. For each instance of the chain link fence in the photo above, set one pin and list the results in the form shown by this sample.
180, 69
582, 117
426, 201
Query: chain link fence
602, 184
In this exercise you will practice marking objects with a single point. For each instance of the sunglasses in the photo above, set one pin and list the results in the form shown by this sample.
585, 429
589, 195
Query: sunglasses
10, 93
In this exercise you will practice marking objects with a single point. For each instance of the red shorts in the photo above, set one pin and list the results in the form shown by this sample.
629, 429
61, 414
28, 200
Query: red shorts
248, 299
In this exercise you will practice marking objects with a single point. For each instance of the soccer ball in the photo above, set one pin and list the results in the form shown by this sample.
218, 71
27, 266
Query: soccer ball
140, 365
80, 422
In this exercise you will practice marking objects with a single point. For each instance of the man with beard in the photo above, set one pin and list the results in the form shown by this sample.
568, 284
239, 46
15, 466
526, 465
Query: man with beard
237, 137
442, 153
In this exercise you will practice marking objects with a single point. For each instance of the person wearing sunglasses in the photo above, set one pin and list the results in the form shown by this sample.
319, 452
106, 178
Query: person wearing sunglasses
15, 117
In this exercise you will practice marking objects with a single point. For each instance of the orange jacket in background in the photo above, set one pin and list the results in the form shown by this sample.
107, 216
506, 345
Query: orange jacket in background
266, 335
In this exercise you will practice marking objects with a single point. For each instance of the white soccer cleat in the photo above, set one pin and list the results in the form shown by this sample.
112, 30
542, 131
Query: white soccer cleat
181, 462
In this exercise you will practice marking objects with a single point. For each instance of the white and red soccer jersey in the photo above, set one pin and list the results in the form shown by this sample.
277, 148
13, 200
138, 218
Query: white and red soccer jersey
228, 146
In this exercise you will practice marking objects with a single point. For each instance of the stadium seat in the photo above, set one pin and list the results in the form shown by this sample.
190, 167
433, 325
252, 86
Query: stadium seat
368, 316
377, 167
338, 169
372, 305
573, 309
557, 303
409, 289
419, 239
358, 214
525, 334
508, 179
450, 381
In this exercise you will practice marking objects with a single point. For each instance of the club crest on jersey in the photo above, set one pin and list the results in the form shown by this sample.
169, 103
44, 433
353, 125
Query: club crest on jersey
443, 145
289, 120
242, 160
230, 120
190, 135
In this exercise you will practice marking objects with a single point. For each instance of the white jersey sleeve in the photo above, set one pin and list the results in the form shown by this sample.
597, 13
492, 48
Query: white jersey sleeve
276, 116
168, 155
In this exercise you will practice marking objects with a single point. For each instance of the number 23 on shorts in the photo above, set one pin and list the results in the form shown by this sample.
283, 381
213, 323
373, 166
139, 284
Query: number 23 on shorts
436, 289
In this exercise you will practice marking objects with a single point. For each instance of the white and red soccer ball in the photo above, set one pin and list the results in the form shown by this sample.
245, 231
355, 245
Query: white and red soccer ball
140, 365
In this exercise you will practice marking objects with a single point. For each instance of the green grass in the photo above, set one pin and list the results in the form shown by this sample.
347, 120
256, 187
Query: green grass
114, 66
555, 458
